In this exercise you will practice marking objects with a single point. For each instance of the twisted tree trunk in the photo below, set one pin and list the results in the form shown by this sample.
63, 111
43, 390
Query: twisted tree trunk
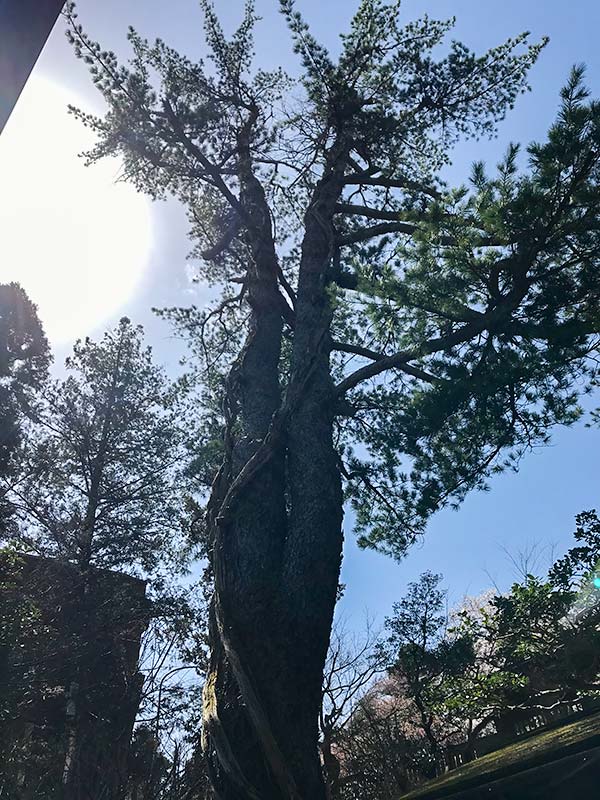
276, 520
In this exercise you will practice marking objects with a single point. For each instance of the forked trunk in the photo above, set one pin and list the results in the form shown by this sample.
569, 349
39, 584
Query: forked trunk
276, 519
269, 626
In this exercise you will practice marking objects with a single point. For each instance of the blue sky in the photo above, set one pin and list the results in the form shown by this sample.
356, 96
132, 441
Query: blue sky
538, 504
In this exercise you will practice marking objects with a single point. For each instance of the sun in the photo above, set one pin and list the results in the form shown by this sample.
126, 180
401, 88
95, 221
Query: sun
77, 240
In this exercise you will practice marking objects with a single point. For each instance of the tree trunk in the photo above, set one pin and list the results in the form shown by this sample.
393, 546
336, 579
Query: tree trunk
314, 545
331, 767
276, 519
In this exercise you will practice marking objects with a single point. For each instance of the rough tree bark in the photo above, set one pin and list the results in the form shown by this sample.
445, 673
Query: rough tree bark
276, 516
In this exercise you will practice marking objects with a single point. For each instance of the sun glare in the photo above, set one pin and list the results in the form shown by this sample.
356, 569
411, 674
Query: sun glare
74, 238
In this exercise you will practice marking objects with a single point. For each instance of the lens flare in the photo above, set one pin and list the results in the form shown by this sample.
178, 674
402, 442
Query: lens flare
76, 240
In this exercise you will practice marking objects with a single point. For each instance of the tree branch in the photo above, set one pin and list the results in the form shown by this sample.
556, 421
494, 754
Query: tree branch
211, 253
357, 350
481, 322
392, 183
366, 353
370, 213
210, 168
393, 224
286, 286
363, 234
400, 360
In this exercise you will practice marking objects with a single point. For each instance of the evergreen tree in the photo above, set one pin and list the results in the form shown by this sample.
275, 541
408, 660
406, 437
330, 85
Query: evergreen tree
381, 336
24, 361
499, 659
103, 484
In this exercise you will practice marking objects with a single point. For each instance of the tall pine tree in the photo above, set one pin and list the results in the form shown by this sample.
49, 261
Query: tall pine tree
102, 484
381, 337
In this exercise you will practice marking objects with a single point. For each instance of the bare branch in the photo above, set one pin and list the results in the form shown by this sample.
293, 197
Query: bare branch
366, 211
356, 349
364, 234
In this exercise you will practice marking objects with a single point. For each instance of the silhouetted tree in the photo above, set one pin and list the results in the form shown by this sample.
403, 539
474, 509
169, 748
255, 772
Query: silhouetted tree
103, 484
380, 337
504, 658
382, 753
148, 767
425, 659
70, 684
24, 361
352, 663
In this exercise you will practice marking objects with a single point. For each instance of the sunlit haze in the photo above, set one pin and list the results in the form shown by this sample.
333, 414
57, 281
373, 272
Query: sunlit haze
75, 238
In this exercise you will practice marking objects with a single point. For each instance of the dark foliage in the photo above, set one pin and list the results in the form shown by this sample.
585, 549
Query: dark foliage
24, 361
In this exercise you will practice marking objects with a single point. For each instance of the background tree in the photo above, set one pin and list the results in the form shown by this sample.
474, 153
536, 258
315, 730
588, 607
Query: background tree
577, 567
102, 485
148, 766
442, 671
20, 626
546, 628
103, 482
166, 760
351, 666
173, 660
69, 697
500, 658
382, 753
24, 361
380, 337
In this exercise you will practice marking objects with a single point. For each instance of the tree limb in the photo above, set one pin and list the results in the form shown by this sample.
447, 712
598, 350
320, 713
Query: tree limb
409, 369
400, 360
211, 253
370, 213
363, 234
392, 183
210, 168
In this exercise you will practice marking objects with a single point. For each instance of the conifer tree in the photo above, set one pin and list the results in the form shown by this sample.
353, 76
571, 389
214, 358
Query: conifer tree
381, 338
24, 361
102, 484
